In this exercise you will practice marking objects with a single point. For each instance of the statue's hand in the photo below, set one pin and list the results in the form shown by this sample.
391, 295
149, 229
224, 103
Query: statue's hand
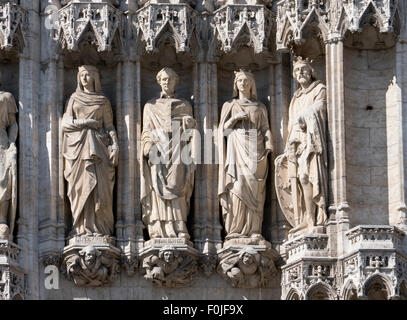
301, 122
147, 148
241, 116
114, 154
91, 123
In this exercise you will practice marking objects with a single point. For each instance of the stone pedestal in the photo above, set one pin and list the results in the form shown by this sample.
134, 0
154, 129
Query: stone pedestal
169, 262
12, 277
309, 272
91, 261
248, 263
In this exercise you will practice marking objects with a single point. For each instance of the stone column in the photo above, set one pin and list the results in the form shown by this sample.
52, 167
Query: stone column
279, 74
206, 227
396, 120
28, 116
128, 122
336, 139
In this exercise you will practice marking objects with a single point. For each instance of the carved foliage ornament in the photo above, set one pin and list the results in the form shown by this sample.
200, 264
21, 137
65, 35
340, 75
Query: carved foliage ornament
102, 19
156, 22
12, 18
237, 25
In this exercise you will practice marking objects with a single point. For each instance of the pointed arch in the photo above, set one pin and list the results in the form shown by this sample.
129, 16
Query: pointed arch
293, 294
378, 287
349, 291
320, 291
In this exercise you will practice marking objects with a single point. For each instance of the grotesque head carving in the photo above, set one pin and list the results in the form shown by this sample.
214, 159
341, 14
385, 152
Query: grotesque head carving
89, 255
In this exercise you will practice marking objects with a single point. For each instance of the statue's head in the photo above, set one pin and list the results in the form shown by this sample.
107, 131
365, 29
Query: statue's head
167, 254
89, 255
303, 72
248, 256
167, 79
89, 79
244, 82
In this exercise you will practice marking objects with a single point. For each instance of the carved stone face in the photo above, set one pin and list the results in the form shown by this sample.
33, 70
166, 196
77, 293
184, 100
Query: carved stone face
247, 259
244, 84
87, 80
167, 83
303, 74
90, 256
168, 256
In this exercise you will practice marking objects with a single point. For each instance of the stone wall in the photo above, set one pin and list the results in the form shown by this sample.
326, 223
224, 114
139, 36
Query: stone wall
366, 134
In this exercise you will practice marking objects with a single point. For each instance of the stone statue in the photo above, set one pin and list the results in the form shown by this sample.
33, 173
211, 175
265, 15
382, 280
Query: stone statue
8, 164
166, 184
247, 268
90, 267
169, 268
301, 172
244, 143
91, 153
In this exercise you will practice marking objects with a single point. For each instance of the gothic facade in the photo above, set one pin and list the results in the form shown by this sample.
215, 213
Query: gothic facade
83, 202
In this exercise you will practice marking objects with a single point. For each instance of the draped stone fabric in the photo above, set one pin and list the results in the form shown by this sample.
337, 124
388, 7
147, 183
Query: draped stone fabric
88, 169
8, 158
242, 173
166, 185
311, 154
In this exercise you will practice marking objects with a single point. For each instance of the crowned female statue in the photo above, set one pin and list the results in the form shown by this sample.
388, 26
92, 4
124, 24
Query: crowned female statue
244, 143
91, 152
167, 182
301, 171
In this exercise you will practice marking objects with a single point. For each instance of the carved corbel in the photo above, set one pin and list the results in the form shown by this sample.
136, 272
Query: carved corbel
171, 263
91, 261
248, 266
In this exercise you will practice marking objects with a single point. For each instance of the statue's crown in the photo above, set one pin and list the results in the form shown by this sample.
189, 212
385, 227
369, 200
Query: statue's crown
88, 68
300, 60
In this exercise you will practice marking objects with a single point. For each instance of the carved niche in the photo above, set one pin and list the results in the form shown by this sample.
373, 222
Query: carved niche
156, 22
13, 23
236, 25
100, 23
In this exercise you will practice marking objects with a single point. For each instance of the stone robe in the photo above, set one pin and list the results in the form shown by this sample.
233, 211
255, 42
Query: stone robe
166, 187
242, 174
88, 169
8, 158
310, 155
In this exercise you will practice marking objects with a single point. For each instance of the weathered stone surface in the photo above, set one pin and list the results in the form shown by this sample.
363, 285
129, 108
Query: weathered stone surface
359, 51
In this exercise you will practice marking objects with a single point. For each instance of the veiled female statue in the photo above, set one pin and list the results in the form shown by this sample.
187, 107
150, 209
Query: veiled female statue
8, 164
90, 150
301, 172
166, 183
244, 143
